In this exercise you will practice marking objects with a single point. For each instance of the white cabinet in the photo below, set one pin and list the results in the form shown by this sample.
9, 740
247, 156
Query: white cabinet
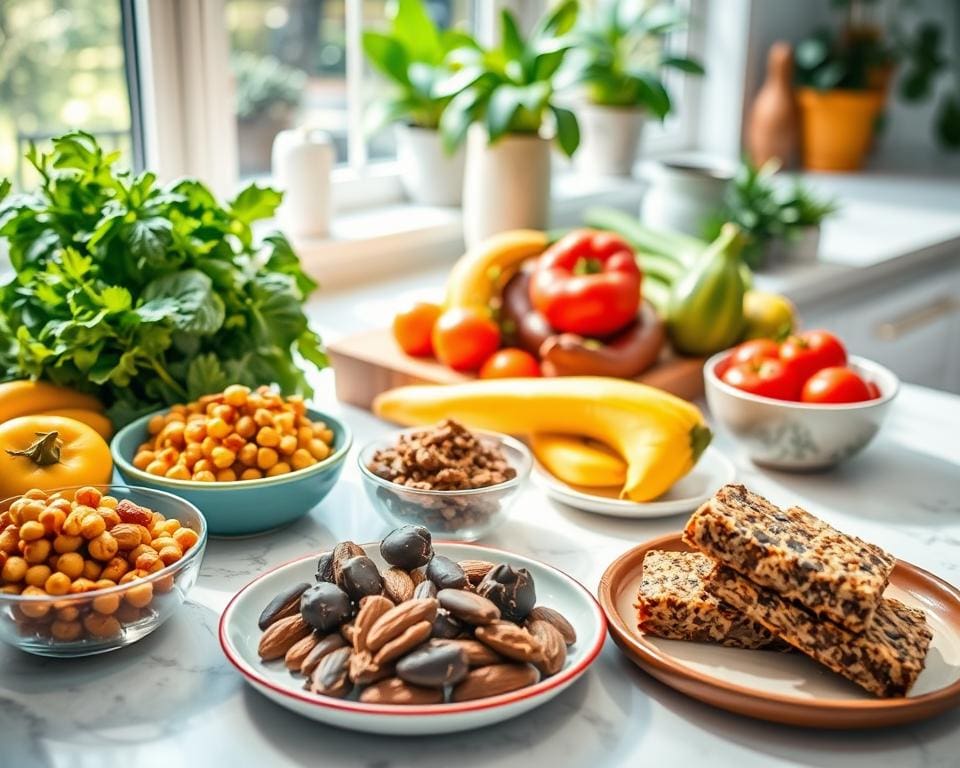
910, 323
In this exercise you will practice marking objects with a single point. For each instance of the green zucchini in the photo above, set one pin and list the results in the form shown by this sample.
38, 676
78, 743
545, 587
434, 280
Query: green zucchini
679, 247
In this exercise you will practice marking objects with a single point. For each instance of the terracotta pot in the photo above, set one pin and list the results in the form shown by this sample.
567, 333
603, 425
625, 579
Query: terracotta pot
428, 174
838, 127
506, 184
609, 139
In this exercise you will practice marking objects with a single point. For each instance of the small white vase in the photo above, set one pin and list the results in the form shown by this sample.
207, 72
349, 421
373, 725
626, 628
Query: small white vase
682, 197
301, 161
506, 184
428, 174
609, 139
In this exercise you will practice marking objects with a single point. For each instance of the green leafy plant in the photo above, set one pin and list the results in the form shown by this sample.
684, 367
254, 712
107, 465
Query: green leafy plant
621, 53
146, 294
766, 211
412, 56
265, 83
510, 88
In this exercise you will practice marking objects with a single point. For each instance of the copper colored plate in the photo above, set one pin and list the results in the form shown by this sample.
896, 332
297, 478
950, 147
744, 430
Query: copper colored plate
788, 688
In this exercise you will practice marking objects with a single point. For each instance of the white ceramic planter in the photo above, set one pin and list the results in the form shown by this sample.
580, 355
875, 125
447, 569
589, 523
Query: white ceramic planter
429, 175
802, 249
609, 139
302, 160
682, 197
506, 185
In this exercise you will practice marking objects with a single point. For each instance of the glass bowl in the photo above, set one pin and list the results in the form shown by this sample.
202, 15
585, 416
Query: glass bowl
109, 618
453, 515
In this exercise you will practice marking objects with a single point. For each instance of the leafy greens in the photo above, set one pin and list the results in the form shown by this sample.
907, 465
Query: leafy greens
146, 294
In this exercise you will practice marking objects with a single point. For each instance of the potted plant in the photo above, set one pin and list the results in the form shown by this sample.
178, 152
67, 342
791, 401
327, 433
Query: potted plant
844, 81
268, 93
619, 56
504, 105
412, 56
781, 221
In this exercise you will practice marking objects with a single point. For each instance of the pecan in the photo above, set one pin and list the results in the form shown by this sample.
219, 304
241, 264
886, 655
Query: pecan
344, 551
553, 647
397, 584
371, 609
287, 603
395, 621
281, 635
324, 646
509, 640
331, 677
299, 651
475, 570
493, 680
393, 690
557, 619
405, 642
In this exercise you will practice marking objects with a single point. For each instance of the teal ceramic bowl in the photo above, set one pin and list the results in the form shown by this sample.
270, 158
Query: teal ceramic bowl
243, 507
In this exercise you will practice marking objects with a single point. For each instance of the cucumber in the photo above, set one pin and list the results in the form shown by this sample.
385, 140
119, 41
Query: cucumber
679, 247
662, 267
657, 293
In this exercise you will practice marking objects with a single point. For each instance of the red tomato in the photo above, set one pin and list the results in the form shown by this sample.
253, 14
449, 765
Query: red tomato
810, 351
463, 338
835, 385
874, 390
413, 327
510, 363
755, 349
765, 377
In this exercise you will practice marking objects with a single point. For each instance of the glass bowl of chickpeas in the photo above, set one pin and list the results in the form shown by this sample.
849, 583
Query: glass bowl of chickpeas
252, 460
90, 569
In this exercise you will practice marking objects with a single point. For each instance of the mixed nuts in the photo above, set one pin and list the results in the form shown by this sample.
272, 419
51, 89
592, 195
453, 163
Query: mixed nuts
423, 631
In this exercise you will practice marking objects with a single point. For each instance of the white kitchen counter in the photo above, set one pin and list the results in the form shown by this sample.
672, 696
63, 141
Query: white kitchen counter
173, 700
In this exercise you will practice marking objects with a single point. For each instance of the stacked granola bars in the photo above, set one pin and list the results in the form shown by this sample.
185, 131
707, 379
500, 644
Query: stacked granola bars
809, 585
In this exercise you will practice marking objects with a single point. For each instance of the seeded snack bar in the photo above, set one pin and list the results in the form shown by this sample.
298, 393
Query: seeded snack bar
836, 576
673, 603
885, 659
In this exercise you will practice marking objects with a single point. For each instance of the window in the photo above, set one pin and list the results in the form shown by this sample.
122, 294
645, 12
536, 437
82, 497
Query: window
298, 62
63, 65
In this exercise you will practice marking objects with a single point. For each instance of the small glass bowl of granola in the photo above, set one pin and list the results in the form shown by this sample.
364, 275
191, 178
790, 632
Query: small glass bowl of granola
458, 483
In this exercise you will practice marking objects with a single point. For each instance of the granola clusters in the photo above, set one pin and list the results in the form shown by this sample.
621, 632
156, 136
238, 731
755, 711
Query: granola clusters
447, 457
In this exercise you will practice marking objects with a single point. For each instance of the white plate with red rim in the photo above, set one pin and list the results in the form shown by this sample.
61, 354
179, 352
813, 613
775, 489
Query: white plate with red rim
712, 471
240, 636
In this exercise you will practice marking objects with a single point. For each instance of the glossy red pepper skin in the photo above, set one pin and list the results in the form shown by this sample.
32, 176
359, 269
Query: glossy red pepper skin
588, 282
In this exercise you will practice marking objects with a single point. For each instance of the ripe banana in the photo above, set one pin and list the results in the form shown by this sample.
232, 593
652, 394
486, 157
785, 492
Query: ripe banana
22, 398
660, 436
481, 272
579, 460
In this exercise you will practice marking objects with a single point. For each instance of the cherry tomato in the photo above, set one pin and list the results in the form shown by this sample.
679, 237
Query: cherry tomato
755, 349
765, 377
510, 363
463, 338
835, 385
811, 351
874, 390
413, 327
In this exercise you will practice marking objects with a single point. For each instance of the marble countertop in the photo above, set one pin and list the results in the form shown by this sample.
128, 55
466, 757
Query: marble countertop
173, 700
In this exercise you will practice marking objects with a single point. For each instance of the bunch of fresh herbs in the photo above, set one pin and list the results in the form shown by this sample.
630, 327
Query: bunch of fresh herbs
146, 294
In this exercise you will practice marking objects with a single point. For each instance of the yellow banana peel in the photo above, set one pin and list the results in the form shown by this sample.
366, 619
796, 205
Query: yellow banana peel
481, 272
579, 460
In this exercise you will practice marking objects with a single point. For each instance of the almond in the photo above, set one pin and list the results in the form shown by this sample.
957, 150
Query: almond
478, 654
493, 680
553, 647
397, 585
371, 609
364, 670
344, 551
299, 651
331, 677
542, 613
395, 691
280, 636
395, 621
509, 640
325, 645
287, 603
475, 570
405, 642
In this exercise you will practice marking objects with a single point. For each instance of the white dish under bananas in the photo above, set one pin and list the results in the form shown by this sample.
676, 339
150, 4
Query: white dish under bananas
710, 472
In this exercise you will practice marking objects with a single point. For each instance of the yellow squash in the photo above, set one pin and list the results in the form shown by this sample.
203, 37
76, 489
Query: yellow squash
100, 423
480, 274
20, 398
660, 436
49, 452
579, 460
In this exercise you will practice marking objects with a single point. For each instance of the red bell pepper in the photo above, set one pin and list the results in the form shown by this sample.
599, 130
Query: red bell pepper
588, 282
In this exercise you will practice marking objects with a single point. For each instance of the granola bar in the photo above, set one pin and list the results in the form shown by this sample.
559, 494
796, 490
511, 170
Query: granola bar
673, 603
885, 659
838, 577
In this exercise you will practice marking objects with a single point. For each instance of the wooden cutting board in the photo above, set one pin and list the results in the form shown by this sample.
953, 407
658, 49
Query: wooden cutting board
369, 363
